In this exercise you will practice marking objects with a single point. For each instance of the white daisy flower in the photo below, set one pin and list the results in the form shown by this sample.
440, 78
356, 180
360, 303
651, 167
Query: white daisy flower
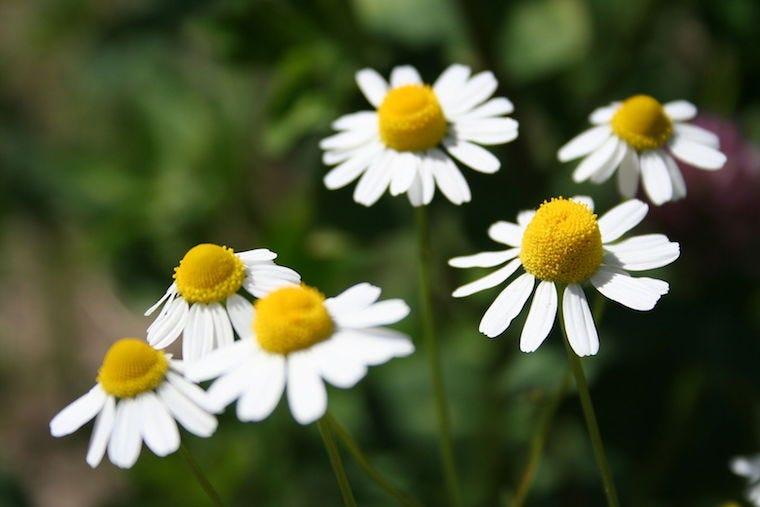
749, 468
407, 142
201, 301
140, 394
641, 136
293, 337
563, 245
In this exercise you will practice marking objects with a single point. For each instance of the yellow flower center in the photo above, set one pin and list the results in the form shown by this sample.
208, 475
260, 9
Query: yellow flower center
562, 242
411, 119
291, 319
131, 367
642, 123
209, 273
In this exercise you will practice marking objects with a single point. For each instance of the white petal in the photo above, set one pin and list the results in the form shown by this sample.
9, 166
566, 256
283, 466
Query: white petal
372, 346
261, 279
506, 232
78, 412
655, 176
157, 427
385, 312
495, 107
375, 180
507, 306
449, 178
607, 170
584, 143
362, 120
191, 391
484, 259
621, 219
198, 339
348, 139
240, 311
585, 200
372, 85
404, 75
540, 319
579, 324
597, 160
486, 131
679, 185
353, 299
635, 293
628, 174
680, 110
192, 417
524, 217
697, 134
479, 88
124, 445
348, 171
404, 170
222, 327
472, 155
172, 290
696, 154
101, 432
488, 281
220, 361
266, 390
307, 396
338, 365
232, 384
169, 324
256, 255
603, 114
639, 253
332, 157
450, 82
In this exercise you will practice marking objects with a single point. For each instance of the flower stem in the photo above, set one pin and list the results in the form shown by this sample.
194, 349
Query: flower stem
434, 357
590, 416
336, 462
204, 483
403, 498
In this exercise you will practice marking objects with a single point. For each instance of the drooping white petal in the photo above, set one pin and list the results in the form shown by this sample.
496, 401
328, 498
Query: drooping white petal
79, 412
124, 445
382, 313
172, 290
584, 143
449, 178
541, 316
640, 253
222, 327
423, 187
156, 425
404, 75
404, 170
628, 174
484, 259
604, 114
697, 134
579, 324
699, 155
486, 131
472, 155
479, 88
169, 324
193, 418
101, 432
307, 396
679, 185
355, 298
680, 110
506, 232
607, 170
497, 106
621, 219
240, 311
597, 160
635, 293
374, 182
339, 365
198, 338
352, 168
450, 82
191, 391
488, 281
372, 85
655, 177
266, 389
507, 306
232, 384
220, 360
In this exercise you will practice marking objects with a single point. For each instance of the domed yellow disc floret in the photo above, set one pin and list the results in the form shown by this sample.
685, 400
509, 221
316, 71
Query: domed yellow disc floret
209, 273
562, 242
131, 367
411, 119
642, 123
291, 319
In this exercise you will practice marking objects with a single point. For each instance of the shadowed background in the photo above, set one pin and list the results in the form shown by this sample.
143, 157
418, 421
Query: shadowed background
132, 130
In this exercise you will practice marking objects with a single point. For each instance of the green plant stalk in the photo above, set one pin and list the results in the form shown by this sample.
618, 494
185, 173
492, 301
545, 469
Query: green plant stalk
336, 462
434, 358
203, 481
403, 498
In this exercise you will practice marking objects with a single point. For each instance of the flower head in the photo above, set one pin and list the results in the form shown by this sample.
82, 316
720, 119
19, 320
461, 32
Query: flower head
140, 393
202, 298
407, 142
295, 339
640, 136
564, 244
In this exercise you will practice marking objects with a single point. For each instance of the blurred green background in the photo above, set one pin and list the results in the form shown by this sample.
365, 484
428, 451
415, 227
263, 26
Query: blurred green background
132, 130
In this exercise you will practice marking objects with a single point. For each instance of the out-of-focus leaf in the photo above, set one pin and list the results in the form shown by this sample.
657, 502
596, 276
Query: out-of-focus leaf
418, 22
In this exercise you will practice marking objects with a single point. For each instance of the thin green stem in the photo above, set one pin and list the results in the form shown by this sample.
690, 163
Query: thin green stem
361, 459
336, 462
203, 481
590, 416
434, 358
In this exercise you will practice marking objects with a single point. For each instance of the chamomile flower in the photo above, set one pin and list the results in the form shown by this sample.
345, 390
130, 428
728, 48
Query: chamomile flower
408, 141
140, 393
295, 339
203, 298
749, 468
562, 244
640, 136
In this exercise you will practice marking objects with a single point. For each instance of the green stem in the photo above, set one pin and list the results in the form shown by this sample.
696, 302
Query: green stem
336, 462
204, 483
362, 460
434, 358
590, 416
